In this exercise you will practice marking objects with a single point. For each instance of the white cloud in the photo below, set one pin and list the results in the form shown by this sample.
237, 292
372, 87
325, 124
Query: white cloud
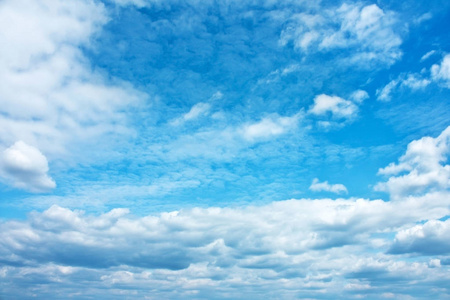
25, 167
431, 238
49, 95
274, 246
425, 17
338, 107
428, 55
412, 81
199, 109
438, 73
367, 31
441, 73
269, 126
317, 186
421, 169
359, 96
384, 94
278, 74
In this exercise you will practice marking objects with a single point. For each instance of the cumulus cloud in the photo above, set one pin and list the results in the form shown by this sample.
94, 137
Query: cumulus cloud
421, 169
431, 238
26, 167
317, 186
277, 245
441, 72
367, 31
336, 106
49, 95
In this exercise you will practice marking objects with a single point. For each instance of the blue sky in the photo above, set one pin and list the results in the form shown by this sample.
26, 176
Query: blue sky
224, 149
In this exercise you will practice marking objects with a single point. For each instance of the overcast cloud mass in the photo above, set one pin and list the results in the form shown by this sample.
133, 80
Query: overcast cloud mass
224, 149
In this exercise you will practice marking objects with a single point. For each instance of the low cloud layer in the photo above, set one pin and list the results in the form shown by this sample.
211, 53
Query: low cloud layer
220, 251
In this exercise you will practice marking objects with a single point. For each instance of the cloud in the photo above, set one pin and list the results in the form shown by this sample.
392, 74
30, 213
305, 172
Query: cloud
26, 168
438, 73
241, 250
431, 238
368, 32
411, 81
269, 127
421, 169
338, 107
317, 186
428, 55
384, 94
199, 109
441, 73
359, 96
50, 96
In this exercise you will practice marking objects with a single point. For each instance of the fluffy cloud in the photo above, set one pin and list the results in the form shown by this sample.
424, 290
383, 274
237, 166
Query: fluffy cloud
246, 250
368, 31
25, 167
431, 238
269, 126
338, 107
441, 73
421, 169
49, 95
317, 186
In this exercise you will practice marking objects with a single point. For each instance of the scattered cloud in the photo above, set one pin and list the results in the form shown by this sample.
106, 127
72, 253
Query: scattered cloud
411, 81
336, 106
196, 111
422, 169
278, 74
26, 167
441, 73
359, 96
269, 127
367, 31
317, 186
428, 55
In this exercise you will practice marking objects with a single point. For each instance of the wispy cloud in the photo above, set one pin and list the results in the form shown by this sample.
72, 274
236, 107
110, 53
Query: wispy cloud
317, 186
368, 32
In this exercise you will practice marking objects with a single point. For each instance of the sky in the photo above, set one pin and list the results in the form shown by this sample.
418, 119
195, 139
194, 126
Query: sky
255, 149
